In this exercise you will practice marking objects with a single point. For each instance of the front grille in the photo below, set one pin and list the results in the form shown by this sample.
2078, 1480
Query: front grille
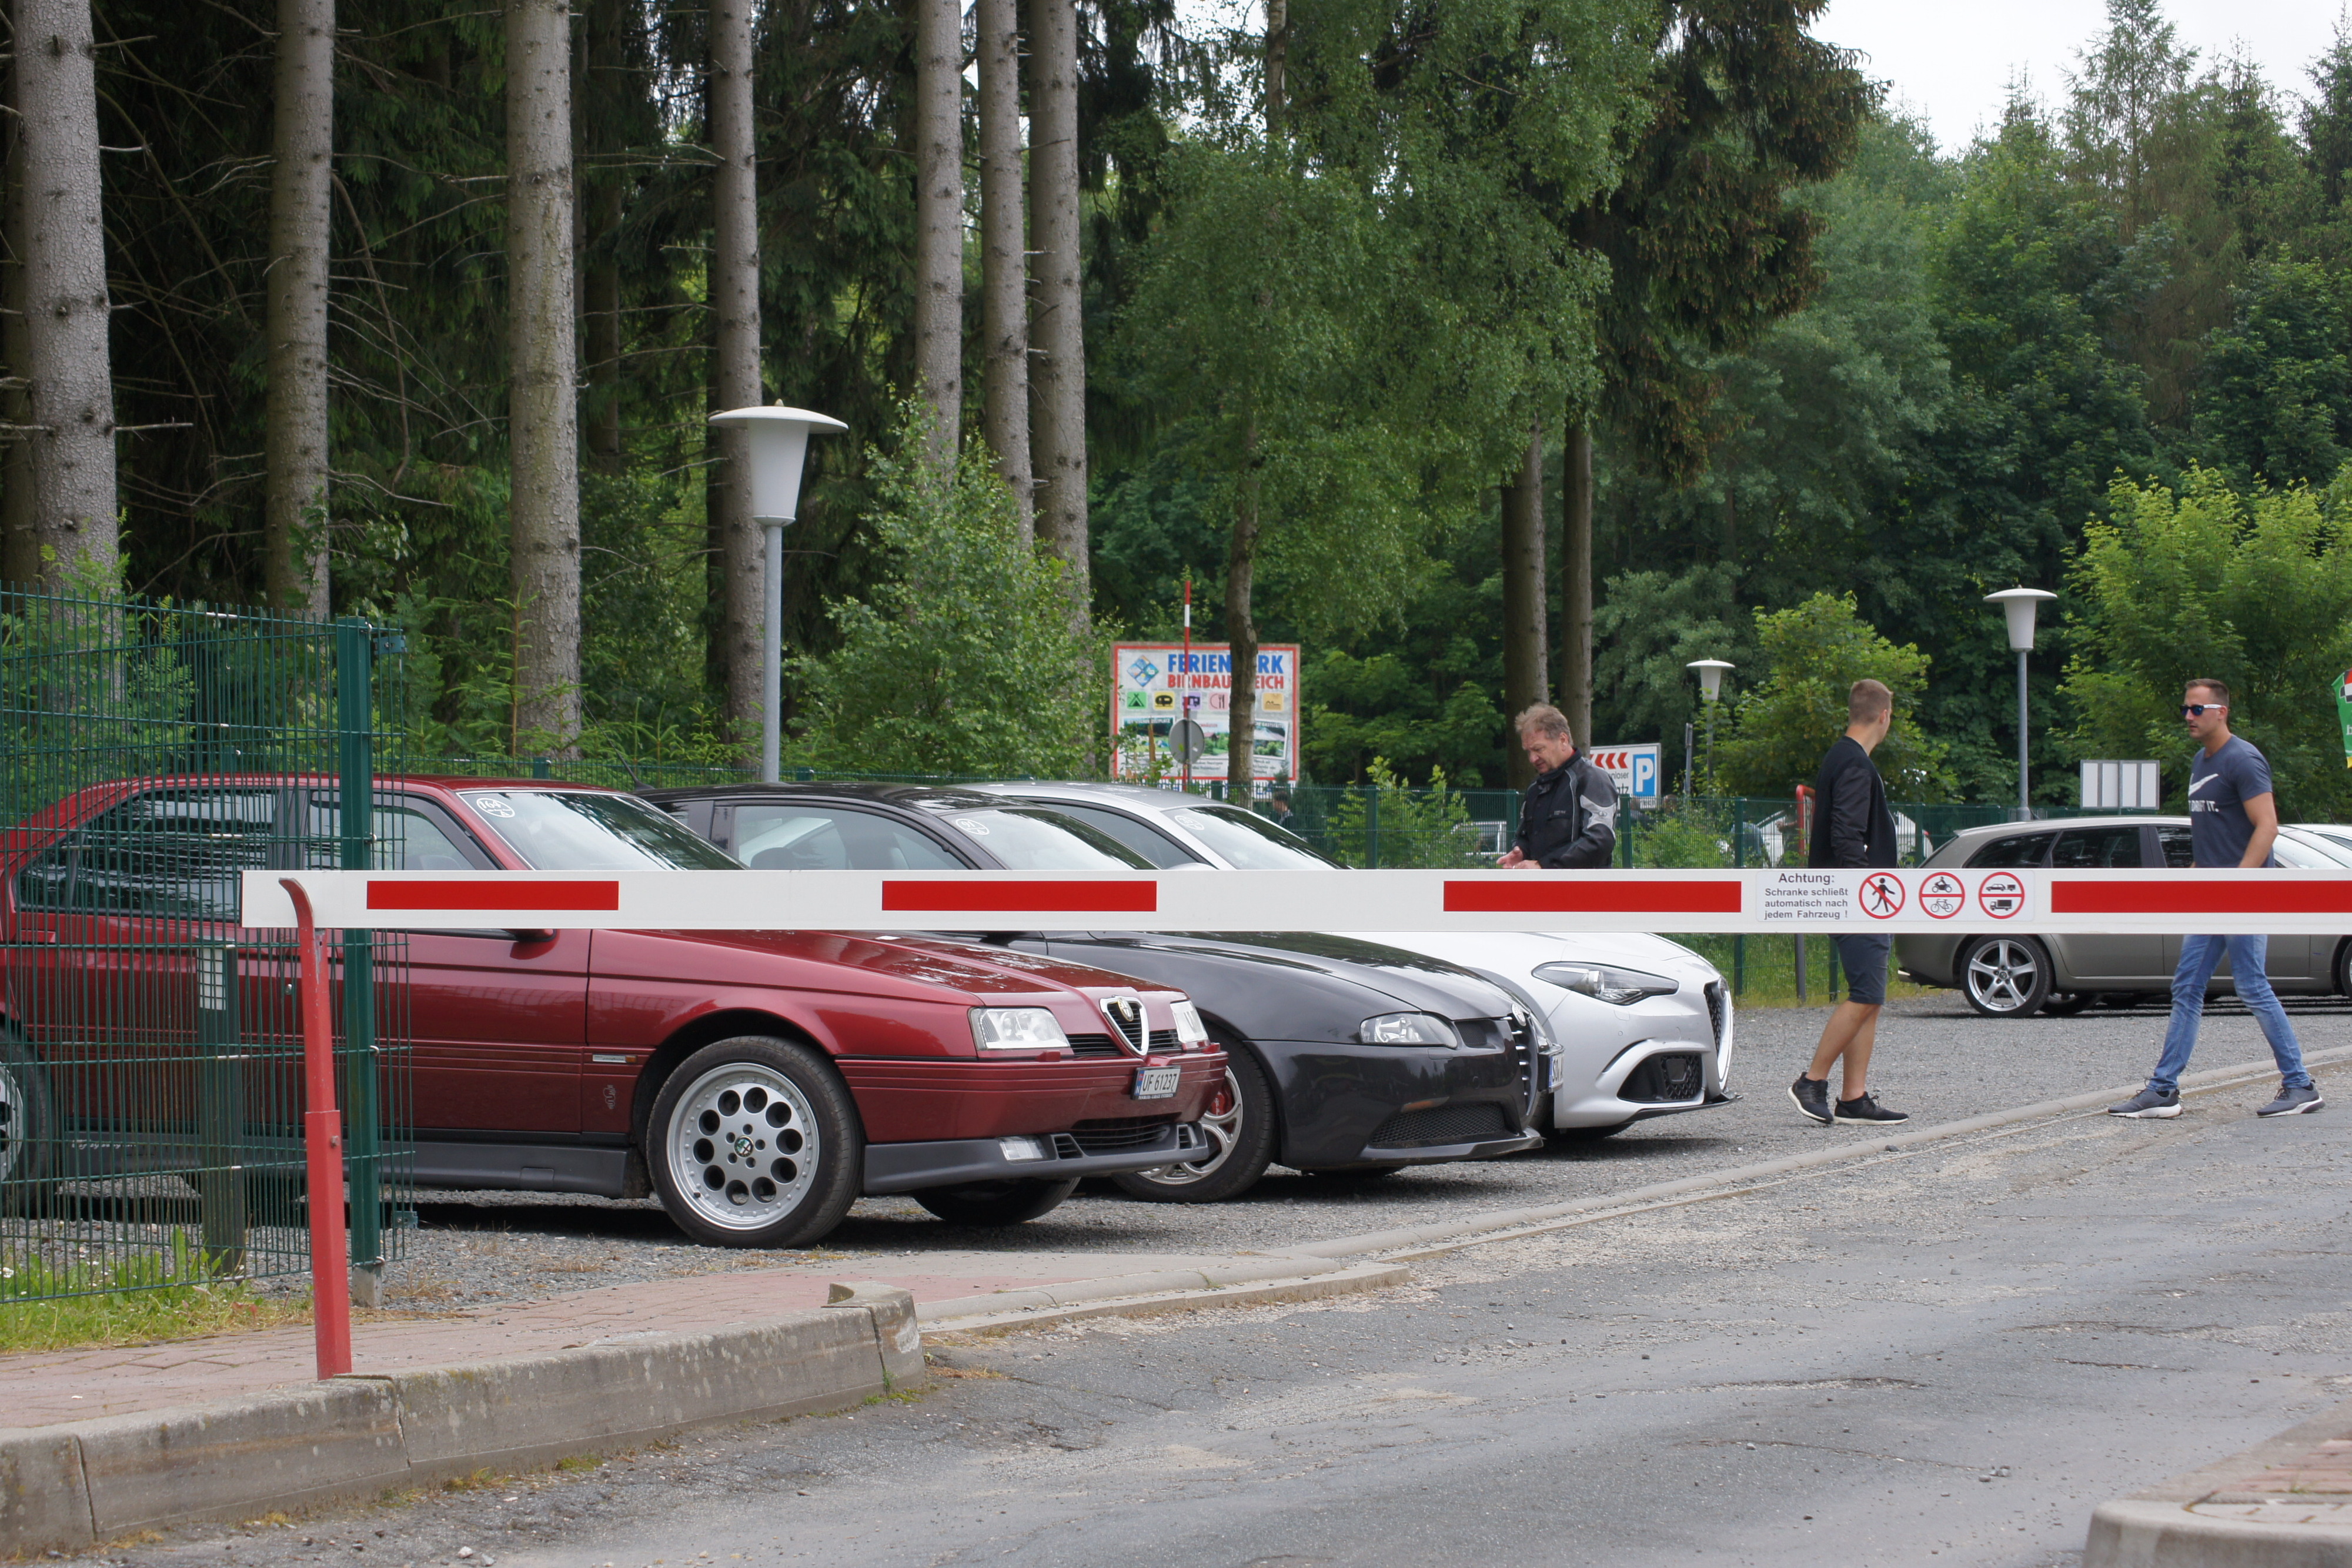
1663, 1079
1445, 1124
1519, 1031
1094, 1045
1117, 1134
1718, 1009
1165, 1040
1126, 1017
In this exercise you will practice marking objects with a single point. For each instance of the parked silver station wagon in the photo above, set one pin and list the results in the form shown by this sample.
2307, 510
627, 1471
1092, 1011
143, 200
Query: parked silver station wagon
2010, 975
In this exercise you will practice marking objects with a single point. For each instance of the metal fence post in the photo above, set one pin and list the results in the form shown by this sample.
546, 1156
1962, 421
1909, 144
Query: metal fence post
1739, 863
1372, 825
354, 693
220, 1109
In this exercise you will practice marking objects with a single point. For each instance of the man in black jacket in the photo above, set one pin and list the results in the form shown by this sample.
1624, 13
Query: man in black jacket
1853, 827
1568, 820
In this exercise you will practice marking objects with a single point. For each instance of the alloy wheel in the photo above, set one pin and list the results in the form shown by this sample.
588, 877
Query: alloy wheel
1221, 1123
743, 1145
2003, 975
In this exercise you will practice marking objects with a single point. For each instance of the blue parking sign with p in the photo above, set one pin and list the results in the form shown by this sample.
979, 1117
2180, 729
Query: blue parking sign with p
1646, 775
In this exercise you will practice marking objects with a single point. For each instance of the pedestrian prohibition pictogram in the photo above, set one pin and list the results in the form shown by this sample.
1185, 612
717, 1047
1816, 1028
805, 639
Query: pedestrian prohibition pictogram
2002, 895
1880, 893
1943, 895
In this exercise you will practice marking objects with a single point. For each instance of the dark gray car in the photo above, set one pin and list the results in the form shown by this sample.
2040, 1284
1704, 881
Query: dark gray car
2006, 976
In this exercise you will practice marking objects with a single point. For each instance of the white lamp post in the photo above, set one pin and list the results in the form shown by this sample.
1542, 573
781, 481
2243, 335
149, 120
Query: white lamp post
1710, 688
778, 439
2020, 603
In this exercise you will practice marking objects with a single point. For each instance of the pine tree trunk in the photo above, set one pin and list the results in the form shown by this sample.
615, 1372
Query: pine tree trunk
735, 369
1576, 580
294, 554
1241, 633
604, 198
20, 551
543, 407
938, 219
1525, 671
71, 400
1057, 402
1004, 270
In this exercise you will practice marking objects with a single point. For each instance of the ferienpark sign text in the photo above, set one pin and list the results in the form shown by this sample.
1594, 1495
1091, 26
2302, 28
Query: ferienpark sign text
1153, 685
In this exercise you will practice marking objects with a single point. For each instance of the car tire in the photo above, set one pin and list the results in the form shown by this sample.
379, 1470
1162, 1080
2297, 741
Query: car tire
2065, 1004
995, 1202
754, 1142
1239, 1123
2006, 976
29, 1129
2341, 974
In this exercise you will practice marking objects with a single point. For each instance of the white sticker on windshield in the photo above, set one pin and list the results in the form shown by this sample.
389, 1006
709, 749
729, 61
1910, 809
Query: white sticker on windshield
976, 830
493, 806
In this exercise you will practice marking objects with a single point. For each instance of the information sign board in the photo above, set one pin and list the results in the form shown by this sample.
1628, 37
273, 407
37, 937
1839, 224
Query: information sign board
1152, 687
1635, 769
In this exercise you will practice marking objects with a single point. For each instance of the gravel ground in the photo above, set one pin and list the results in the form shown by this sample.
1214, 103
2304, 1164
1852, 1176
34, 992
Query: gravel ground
1936, 1059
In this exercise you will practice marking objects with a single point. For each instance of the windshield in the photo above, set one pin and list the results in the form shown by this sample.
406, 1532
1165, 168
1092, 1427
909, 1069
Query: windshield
2310, 852
1023, 839
562, 829
1248, 841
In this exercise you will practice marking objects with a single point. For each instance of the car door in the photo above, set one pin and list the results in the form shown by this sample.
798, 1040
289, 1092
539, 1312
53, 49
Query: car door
2126, 961
2288, 962
496, 1021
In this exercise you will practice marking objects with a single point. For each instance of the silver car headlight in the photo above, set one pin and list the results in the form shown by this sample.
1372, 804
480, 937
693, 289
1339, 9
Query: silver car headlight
1602, 982
1407, 1029
1017, 1028
1191, 1032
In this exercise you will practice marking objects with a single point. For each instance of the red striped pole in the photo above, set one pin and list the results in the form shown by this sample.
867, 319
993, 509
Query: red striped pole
322, 1140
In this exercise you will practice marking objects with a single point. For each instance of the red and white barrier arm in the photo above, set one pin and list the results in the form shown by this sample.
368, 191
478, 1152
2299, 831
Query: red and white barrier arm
2222, 901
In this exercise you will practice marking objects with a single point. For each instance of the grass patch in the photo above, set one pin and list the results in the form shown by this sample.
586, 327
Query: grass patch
1770, 970
139, 1300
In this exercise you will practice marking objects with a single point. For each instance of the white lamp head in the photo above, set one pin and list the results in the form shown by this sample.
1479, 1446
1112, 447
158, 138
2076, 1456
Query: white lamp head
1710, 676
779, 440
2019, 603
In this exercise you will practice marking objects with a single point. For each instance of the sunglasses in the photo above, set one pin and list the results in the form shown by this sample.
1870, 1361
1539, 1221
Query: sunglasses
2197, 710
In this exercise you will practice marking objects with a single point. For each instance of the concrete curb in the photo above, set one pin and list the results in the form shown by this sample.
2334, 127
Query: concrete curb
79, 1483
1501, 1224
2156, 1529
1291, 1286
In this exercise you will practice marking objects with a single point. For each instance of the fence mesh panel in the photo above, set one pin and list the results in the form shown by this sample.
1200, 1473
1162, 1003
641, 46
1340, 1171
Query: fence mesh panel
151, 1084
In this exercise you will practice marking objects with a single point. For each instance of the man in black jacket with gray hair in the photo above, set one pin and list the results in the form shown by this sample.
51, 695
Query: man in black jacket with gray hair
1568, 819
1853, 827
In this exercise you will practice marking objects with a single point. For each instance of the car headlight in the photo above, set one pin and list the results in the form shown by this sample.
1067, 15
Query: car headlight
1407, 1029
1017, 1028
1621, 987
1191, 1033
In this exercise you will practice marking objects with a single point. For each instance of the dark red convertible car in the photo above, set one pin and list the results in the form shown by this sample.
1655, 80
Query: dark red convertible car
759, 1081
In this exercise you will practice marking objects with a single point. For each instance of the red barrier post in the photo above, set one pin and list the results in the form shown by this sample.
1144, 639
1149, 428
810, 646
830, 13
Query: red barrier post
322, 1142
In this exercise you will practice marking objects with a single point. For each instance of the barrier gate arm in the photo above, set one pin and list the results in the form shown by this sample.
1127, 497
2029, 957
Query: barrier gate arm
1788, 900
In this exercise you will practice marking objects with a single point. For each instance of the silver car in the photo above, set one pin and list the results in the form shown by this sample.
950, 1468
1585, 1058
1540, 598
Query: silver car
2006, 976
1640, 1026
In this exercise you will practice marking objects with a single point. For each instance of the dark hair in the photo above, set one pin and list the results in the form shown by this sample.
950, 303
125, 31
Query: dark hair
2220, 693
1868, 699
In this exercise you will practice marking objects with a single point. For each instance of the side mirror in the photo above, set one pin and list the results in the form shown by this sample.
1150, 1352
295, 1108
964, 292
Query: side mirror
524, 938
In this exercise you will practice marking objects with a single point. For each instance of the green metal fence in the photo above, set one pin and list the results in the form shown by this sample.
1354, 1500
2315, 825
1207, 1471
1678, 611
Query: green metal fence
149, 1052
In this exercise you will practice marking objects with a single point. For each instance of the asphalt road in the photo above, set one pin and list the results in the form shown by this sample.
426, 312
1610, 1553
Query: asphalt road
1937, 1060
1948, 1356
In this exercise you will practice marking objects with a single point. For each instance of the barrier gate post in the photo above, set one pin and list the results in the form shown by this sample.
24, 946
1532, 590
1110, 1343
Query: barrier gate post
322, 1142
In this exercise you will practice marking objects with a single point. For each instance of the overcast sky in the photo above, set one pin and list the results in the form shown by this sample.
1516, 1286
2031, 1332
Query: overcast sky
1952, 63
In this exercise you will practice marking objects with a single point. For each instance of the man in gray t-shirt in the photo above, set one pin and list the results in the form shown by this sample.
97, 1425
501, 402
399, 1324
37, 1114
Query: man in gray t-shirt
2232, 822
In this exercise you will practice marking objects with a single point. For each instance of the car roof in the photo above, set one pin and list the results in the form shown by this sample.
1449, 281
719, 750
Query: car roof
878, 794
1142, 797
2056, 824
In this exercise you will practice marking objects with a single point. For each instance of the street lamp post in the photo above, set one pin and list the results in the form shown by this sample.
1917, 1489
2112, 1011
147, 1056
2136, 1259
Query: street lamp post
1710, 688
778, 439
2020, 603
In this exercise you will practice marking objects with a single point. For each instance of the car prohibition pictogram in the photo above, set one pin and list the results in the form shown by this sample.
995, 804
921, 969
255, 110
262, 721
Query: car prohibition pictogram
1943, 895
2001, 895
1881, 895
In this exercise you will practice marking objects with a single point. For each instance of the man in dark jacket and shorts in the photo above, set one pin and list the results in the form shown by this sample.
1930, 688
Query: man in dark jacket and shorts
1568, 819
1853, 827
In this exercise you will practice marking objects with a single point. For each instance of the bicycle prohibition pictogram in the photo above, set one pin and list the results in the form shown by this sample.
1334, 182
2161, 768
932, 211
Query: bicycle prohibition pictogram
1943, 895
1881, 895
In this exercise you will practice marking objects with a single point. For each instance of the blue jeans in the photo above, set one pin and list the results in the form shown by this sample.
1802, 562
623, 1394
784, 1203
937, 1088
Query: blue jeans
2200, 956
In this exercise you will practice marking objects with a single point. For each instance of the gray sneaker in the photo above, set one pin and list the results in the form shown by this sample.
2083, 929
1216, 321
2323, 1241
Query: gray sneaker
2293, 1102
2150, 1103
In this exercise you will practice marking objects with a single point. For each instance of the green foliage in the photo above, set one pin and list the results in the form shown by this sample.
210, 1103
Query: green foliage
1647, 631
2278, 379
1812, 655
1393, 824
964, 660
2252, 587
